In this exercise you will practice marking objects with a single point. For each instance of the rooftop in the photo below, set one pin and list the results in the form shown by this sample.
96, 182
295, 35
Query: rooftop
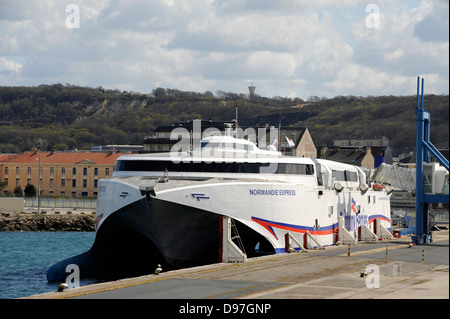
62, 158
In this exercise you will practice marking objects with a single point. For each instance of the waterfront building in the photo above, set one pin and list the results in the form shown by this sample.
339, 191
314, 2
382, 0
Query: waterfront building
66, 174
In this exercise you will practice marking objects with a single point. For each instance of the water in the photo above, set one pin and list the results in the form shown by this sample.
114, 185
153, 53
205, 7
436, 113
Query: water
26, 256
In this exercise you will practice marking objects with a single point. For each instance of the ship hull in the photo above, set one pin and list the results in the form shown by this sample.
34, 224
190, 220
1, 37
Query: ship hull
180, 226
136, 238
133, 240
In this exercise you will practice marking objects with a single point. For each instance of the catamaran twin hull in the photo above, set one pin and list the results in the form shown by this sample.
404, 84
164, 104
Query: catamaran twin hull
142, 222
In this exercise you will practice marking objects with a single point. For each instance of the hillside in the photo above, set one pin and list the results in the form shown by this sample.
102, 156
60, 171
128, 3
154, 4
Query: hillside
63, 117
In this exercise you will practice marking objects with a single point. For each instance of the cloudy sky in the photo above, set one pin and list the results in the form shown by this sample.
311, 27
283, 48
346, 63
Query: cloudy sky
288, 48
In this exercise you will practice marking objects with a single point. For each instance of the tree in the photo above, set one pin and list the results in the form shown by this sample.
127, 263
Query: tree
60, 147
159, 92
83, 137
30, 190
2, 185
18, 191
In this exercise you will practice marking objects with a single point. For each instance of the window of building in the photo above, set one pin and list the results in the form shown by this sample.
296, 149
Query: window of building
17, 182
29, 170
63, 194
28, 181
74, 171
74, 182
84, 182
63, 171
63, 182
84, 171
6, 170
17, 170
52, 170
96, 171
95, 183
107, 171
52, 182
74, 194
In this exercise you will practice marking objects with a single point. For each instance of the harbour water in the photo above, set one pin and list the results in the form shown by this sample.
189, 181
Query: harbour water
26, 256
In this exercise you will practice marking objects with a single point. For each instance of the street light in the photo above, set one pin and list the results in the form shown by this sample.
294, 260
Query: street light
39, 181
41, 143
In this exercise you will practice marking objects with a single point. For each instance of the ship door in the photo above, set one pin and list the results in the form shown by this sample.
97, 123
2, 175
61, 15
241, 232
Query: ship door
319, 174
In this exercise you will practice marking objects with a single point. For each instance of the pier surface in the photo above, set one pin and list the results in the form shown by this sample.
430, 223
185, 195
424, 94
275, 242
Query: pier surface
391, 269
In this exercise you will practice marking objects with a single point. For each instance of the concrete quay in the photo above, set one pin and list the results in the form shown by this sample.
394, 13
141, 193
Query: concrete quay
391, 269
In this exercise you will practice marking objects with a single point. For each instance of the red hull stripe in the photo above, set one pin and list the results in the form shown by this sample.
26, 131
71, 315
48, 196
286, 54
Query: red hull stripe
269, 225
327, 230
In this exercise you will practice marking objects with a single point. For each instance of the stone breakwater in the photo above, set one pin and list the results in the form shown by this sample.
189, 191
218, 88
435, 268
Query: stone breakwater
43, 222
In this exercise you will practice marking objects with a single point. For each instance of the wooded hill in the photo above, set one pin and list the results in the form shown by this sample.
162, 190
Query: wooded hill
66, 117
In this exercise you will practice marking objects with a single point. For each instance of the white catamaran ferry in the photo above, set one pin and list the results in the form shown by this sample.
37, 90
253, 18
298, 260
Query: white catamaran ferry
168, 208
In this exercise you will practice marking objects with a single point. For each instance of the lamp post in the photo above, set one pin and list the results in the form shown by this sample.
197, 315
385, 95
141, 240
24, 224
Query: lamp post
39, 181
40, 143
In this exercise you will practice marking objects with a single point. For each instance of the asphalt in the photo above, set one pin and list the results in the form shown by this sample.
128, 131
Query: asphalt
392, 269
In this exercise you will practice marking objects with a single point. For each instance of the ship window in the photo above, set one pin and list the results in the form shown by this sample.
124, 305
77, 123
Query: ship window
351, 176
209, 145
345, 176
161, 166
339, 175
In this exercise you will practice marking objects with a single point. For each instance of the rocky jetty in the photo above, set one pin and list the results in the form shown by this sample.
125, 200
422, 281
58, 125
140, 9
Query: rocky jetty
44, 222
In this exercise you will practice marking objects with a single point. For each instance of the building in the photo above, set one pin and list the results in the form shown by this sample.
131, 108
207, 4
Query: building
118, 148
67, 174
361, 142
300, 142
365, 152
251, 91
349, 155
293, 141
160, 141
367, 156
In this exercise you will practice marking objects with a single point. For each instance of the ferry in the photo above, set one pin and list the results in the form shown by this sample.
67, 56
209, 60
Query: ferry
168, 208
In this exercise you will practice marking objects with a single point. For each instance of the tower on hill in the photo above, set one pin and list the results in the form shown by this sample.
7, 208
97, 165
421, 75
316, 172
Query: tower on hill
251, 90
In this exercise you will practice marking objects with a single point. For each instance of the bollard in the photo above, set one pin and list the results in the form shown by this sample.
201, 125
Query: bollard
349, 253
386, 252
423, 256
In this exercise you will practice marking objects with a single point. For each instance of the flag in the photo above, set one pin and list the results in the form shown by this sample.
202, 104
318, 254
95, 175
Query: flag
353, 205
290, 142
274, 142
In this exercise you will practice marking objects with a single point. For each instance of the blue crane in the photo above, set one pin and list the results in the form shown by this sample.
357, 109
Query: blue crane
423, 149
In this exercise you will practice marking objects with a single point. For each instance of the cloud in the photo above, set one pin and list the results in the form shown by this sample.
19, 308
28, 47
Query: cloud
9, 66
285, 47
434, 26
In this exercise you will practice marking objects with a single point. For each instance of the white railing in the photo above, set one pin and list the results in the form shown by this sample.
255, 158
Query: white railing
61, 202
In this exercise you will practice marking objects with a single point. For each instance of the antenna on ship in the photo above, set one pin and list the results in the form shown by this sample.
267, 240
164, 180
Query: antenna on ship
279, 132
